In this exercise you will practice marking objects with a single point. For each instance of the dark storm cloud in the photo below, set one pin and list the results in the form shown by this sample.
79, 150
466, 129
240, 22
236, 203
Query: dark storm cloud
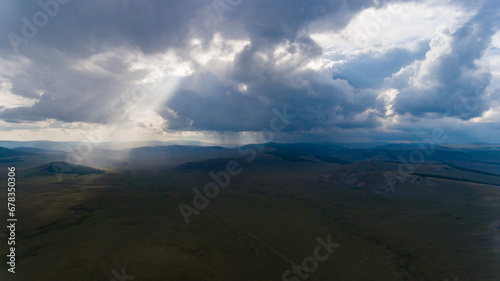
241, 96
81, 29
68, 94
369, 70
48, 61
322, 101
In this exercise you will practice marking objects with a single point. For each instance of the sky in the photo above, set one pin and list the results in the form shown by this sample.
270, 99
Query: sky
246, 71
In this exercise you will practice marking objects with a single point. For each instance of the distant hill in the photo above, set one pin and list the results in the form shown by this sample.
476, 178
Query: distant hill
70, 145
66, 168
206, 165
295, 152
36, 150
164, 154
5, 152
40, 144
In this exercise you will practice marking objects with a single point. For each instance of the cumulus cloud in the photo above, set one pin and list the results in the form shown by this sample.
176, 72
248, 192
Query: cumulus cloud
368, 70
449, 82
226, 70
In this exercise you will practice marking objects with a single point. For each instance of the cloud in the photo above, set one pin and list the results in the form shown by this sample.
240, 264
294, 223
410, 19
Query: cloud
368, 70
321, 102
83, 59
81, 28
449, 76
227, 76
66, 93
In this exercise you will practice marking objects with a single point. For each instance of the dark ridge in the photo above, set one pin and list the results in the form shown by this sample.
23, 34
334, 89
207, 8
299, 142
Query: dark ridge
67, 168
208, 165
5, 152
452, 178
11, 160
36, 150
471, 170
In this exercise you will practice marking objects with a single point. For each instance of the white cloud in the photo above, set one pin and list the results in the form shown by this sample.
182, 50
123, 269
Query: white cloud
397, 24
254, 60
219, 49
9, 100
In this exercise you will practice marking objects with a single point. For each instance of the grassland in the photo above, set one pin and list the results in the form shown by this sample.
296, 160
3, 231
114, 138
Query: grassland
266, 220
